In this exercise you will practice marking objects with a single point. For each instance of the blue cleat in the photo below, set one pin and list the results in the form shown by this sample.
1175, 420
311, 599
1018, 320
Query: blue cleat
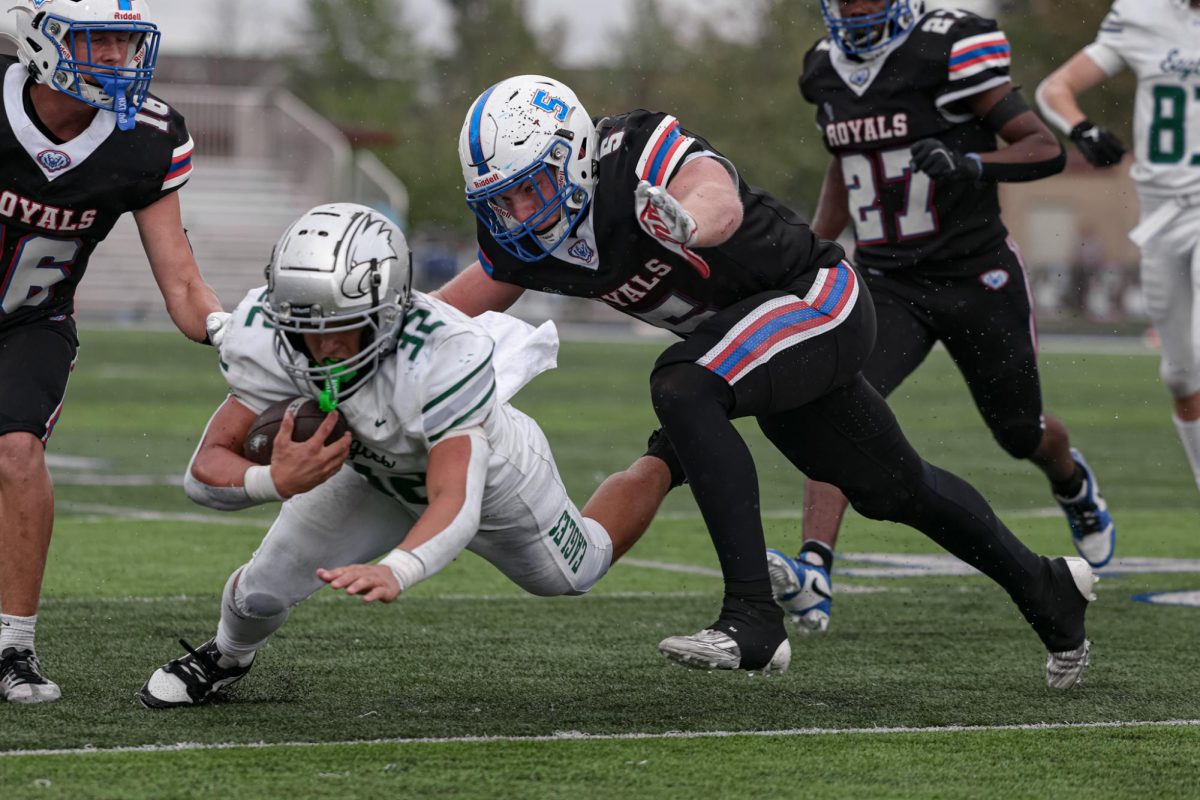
1092, 527
802, 590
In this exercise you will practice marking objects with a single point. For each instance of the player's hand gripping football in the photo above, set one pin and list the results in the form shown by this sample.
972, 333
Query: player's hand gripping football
663, 217
297, 467
941, 163
372, 581
1098, 146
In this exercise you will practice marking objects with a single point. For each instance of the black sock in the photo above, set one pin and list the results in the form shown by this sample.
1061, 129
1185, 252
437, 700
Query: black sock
821, 551
1071, 487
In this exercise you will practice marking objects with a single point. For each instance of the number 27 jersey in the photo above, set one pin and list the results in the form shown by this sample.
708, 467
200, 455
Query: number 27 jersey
871, 112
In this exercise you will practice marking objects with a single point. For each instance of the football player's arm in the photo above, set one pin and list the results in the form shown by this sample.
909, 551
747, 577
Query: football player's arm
219, 477
705, 189
1057, 98
473, 292
188, 298
1032, 150
454, 485
833, 206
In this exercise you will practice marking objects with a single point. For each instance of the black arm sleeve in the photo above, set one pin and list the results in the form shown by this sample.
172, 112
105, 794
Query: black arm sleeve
1028, 171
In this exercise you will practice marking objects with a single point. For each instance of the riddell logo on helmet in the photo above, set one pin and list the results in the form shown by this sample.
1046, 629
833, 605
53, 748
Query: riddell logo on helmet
127, 15
479, 183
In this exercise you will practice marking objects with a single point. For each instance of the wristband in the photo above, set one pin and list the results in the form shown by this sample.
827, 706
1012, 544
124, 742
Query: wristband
408, 568
259, 486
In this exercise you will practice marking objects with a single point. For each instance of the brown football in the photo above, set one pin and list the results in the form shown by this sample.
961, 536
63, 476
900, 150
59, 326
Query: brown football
260, 439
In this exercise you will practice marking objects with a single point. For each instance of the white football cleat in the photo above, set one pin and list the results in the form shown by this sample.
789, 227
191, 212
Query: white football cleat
1064, 669
22, 681
710, 649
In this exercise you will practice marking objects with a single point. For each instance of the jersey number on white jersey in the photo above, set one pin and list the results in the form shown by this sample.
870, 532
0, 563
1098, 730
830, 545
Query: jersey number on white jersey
1168, 129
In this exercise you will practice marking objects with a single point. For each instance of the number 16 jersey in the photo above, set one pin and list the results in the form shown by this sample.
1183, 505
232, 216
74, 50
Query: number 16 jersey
871, 112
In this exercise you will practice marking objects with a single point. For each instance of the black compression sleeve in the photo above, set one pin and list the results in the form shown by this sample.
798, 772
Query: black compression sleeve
1026, 171
1009, 107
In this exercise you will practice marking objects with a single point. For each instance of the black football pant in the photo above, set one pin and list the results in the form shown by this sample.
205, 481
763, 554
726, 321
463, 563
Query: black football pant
814, 405
985, 321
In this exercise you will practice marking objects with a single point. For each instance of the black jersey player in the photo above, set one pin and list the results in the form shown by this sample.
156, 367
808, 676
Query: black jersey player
910, 106
638, 212
81, 143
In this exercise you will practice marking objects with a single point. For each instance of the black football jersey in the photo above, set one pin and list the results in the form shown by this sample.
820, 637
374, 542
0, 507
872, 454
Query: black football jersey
58, 200
870, 113
610, 258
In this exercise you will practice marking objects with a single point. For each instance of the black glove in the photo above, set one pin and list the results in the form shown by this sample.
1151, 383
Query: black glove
1098, 146
941, 163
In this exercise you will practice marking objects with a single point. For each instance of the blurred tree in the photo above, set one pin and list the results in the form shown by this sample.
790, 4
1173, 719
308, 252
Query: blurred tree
363, 70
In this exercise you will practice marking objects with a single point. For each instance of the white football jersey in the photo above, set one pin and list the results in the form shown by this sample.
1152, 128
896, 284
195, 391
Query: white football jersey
1160, 41
440, 381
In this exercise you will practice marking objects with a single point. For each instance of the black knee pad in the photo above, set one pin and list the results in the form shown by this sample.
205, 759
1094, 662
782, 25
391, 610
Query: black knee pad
262, 605
676, 387
1019, 439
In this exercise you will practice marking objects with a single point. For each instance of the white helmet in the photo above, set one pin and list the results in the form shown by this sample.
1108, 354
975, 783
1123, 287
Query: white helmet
339, 267
50, 32
515, 130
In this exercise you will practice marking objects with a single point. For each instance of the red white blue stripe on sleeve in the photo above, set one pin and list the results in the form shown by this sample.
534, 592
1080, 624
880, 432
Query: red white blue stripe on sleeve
661, 155
181, 166
485, 262
783, 322
980, 53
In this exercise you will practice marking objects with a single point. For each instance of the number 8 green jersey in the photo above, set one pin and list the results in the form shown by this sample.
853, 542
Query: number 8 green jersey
1160, 41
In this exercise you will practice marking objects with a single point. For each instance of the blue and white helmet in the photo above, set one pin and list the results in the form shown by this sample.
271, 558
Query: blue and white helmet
866, 36
339, 267
47, 35
523, 126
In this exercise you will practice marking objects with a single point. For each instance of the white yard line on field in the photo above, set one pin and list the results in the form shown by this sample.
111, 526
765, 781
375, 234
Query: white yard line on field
851, 565
575, 736
337, 597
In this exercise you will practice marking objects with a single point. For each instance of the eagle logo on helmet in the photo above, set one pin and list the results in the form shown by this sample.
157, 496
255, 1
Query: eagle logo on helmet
370, 250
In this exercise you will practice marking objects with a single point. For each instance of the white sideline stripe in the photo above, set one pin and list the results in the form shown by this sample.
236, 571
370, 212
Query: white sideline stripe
576, 736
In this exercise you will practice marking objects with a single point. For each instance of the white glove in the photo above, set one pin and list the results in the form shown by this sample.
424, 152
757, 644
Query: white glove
663, 217
216, 323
